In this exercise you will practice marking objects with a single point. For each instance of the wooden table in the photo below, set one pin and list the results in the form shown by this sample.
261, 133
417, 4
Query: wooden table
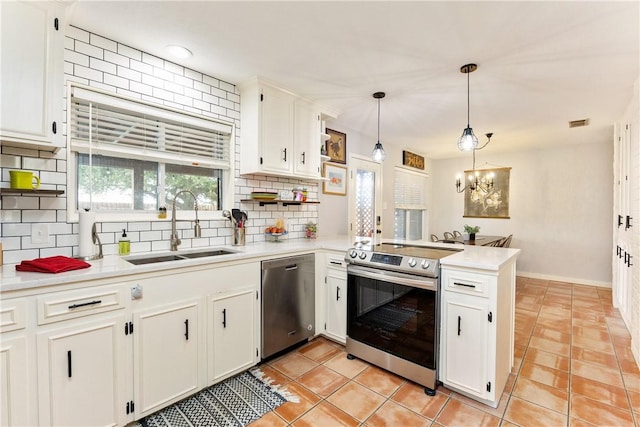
480, 240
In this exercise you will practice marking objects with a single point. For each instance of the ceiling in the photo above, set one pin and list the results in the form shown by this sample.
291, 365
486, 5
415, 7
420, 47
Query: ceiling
540, 64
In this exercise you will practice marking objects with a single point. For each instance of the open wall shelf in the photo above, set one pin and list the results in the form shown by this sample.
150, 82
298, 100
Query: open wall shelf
263, 202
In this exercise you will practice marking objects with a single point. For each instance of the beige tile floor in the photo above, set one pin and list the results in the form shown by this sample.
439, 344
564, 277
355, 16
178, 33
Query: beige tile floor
573, 367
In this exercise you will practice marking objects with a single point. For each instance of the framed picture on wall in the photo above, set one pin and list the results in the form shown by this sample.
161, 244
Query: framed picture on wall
335, 179
487, 201
336, 146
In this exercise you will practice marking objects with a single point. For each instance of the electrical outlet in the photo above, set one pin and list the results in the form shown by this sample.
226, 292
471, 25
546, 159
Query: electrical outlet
40, 233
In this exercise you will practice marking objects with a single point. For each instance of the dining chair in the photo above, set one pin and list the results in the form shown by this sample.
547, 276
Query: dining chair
506, 242
434, 238
456, 233
496, 243
448, 235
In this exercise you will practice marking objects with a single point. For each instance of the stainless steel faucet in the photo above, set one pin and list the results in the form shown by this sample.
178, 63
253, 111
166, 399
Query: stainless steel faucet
175, 240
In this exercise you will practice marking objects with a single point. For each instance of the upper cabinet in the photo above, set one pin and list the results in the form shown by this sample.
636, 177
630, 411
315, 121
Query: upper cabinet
31, 77
280, 132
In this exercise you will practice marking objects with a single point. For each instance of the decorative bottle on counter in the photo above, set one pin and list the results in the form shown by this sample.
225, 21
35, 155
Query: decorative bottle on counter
124, 245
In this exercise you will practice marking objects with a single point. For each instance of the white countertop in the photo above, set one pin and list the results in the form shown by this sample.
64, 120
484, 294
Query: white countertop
485, 258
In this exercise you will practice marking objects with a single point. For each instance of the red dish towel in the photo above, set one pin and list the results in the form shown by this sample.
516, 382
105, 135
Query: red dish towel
52, 264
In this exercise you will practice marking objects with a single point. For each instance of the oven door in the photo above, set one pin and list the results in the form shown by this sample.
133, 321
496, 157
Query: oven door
394, 312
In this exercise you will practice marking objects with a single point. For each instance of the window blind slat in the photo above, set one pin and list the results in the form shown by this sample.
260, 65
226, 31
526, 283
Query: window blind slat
146, 134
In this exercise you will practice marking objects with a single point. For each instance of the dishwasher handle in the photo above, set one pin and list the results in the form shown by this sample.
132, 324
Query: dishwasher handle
291, 267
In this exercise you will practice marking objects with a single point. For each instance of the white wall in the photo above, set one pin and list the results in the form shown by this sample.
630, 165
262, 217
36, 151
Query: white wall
560, 209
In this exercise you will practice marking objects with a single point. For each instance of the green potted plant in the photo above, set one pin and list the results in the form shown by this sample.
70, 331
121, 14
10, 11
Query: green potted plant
471, 231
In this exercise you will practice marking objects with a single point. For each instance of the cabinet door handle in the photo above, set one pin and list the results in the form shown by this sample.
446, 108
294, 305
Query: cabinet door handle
337, 293
336, 263
459, 325
54, 126
285, 154
186, 329
464, 284
619, 220
69, 363
84, 304
627, 224
224, 318
303, 157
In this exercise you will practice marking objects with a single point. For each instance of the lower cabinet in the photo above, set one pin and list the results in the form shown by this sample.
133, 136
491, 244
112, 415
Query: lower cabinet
14, 397
166, 348
336, 298
80, 373
232, 341
477, 331
466, 342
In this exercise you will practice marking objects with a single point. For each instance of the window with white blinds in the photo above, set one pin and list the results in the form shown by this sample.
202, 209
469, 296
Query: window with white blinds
410, 199
113, 126
129, 156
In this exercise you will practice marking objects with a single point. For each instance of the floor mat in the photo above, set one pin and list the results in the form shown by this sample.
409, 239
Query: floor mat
236, 401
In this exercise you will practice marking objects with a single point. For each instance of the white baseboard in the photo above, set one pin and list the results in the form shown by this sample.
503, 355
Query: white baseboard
578, 281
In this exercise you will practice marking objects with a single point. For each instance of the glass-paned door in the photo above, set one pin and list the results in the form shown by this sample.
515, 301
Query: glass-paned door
365, 203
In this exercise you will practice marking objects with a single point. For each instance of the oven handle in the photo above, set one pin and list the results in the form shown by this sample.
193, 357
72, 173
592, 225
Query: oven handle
390, 276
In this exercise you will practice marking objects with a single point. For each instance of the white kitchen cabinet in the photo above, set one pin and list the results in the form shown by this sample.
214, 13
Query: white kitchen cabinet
14, 393
32, 80
232, 340
477, 331
166, 347
280, 132
306, 161
80, 368
336, 298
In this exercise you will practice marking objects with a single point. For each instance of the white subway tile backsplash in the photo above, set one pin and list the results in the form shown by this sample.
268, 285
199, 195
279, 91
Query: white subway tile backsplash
162, 94
129, 74
98, 41
129, 52
9, 161
38, 216
202, 87
211, 81
13, 229
53, 203
89, 50
76, 58
47, 177
77, 34
116, 58
192, 74
14, 257
152, 81
140, 88
87, 73
100, 65
150, 235
21, 203
162, 74
30, 163
116, 81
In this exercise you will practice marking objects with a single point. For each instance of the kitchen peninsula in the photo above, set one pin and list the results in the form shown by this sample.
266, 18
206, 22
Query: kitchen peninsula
94, 313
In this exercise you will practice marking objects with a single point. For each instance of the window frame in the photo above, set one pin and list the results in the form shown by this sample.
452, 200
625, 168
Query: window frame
407, 207
228, 175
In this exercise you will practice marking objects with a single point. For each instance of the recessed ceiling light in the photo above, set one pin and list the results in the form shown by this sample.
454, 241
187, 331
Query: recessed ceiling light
178, 51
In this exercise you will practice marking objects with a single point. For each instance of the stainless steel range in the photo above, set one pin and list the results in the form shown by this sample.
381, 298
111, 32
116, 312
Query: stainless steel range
393, 308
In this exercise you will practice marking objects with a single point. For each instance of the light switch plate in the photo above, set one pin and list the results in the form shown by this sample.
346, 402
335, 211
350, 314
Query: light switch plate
40, 233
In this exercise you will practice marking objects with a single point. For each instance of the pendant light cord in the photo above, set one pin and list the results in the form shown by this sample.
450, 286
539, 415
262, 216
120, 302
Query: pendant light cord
378, 119
468, 98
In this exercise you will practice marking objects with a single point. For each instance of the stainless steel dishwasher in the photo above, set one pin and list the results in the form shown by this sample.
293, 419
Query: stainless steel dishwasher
288, 302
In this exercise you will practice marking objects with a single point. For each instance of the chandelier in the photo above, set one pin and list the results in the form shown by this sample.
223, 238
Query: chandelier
474, 178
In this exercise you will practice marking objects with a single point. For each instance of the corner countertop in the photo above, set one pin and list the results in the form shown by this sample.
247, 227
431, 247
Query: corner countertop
485, 258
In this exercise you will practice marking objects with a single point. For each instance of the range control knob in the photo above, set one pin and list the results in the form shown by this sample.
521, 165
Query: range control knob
353, 253
362, 255
424, 264
412, 262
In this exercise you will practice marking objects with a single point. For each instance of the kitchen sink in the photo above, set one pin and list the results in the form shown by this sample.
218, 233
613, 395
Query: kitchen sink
151, 259
208, 253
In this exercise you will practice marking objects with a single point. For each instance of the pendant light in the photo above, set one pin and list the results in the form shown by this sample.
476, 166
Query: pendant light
378, 153
468, 141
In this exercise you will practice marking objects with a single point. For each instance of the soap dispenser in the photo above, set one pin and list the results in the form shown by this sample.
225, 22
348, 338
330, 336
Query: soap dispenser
124, 245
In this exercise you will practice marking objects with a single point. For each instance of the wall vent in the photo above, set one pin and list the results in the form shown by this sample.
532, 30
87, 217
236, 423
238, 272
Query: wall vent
578, 123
